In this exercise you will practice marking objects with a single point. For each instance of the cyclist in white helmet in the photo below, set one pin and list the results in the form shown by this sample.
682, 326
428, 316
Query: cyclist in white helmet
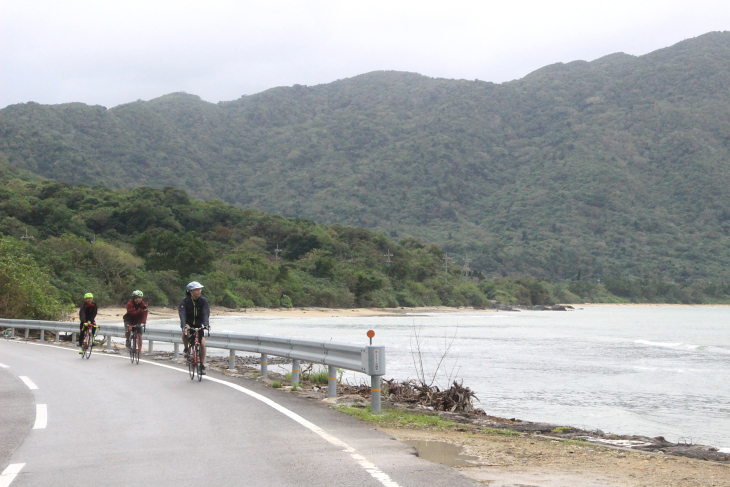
194, 313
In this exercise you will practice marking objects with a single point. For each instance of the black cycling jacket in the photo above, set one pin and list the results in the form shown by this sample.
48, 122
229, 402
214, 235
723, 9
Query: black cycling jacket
87, 313
194, 312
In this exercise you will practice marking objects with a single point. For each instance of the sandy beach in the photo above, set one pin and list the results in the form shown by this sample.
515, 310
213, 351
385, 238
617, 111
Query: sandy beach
158, 313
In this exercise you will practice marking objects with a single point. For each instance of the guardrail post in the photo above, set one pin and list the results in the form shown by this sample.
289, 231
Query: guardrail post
12, 332
108, 342
295, 373
331, 381
73, 338
27, 333
264, 365
150, 346
232, 360
58, 338
375, 386
43, 335
176, 350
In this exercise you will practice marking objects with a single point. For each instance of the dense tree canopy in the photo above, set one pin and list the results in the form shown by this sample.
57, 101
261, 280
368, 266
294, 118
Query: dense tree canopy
112, 241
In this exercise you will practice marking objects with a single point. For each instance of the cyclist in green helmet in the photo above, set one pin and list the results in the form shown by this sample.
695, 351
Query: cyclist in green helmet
87, 314
136, 315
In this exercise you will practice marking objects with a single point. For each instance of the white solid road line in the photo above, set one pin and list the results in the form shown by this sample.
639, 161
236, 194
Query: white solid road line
370, 468
9, 474
3, 366
28, 382
41, 416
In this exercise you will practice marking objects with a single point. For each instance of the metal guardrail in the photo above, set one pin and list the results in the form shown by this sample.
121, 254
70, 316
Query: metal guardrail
368, 360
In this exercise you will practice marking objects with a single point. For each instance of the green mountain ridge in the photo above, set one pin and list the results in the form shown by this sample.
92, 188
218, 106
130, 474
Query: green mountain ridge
612, 168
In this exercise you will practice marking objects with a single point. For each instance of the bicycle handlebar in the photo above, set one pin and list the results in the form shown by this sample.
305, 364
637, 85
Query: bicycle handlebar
188, 329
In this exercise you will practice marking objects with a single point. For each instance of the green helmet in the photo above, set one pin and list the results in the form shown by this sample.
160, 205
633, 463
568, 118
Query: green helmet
88, 295
137, 294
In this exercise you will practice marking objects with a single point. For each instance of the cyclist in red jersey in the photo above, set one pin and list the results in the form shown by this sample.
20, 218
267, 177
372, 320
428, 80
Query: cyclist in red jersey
136, 315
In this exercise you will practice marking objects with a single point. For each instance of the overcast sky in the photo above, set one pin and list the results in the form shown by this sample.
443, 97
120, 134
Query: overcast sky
112, 52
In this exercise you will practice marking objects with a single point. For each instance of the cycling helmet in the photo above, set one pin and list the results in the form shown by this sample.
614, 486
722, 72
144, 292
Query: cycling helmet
194, 285
137, 294
88, 295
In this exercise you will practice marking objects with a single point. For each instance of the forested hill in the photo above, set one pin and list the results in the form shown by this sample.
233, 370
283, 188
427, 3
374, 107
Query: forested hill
613, 168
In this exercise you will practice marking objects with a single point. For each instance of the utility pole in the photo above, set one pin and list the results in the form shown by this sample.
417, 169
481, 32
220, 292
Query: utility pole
277, 251
387, 258
26, 237
466, 270
446, 259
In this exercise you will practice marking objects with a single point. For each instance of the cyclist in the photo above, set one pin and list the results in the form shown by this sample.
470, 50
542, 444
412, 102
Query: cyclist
136, 315
87, 314
194, 313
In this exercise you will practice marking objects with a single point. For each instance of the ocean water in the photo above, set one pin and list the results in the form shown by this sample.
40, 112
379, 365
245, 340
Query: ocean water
648, 370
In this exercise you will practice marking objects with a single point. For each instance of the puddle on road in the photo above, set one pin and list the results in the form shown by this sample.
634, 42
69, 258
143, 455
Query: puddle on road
441, 452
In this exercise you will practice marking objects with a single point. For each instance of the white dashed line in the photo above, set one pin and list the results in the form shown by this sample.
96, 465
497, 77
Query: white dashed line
41, 416
3, 366
28, 382
9, 474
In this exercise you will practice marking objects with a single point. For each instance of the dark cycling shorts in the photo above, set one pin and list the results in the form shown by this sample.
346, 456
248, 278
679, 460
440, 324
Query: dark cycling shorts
199, 330
137, 327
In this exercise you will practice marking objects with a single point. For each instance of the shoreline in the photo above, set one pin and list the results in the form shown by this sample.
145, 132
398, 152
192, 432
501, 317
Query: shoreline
157, 313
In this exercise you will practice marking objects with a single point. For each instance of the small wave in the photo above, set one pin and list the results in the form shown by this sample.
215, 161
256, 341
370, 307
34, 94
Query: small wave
684, 346
724, 450
724, 351
659, 344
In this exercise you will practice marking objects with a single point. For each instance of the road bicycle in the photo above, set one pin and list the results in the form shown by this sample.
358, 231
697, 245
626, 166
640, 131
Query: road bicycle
135, 343
87, 341
195, 365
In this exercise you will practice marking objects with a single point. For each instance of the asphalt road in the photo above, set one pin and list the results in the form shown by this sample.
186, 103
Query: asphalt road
113, 423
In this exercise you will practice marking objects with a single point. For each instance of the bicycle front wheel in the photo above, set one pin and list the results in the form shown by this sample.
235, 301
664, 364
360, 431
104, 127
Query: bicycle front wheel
132, 346
91, 342
138, 339
86, 345
200, 364
192, 361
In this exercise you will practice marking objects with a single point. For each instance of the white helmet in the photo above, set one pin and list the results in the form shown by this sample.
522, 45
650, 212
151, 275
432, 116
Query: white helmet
194, 285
